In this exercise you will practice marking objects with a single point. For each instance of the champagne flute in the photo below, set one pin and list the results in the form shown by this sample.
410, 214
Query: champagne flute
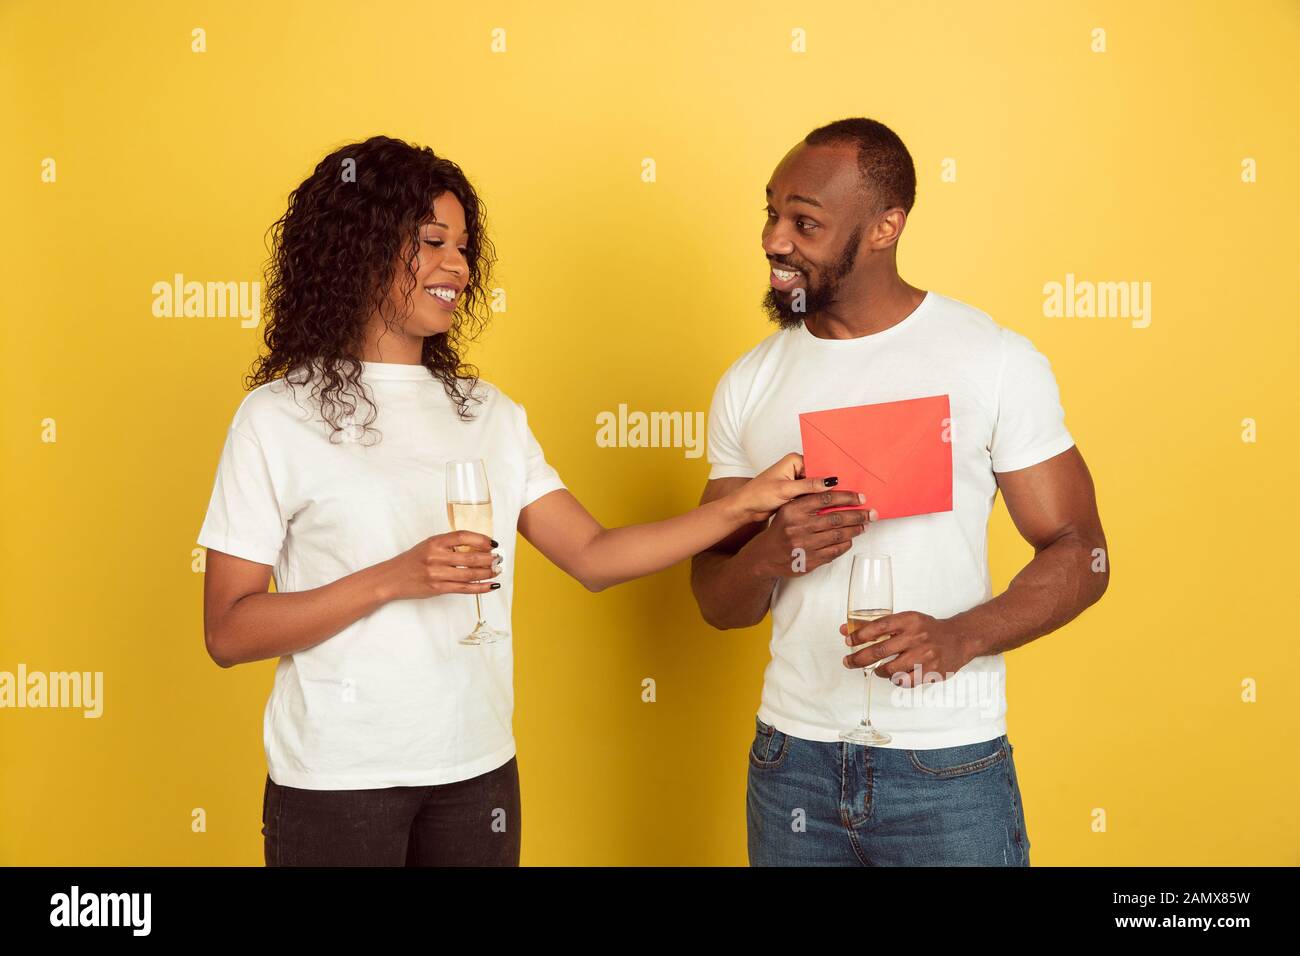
871, 597
469, 508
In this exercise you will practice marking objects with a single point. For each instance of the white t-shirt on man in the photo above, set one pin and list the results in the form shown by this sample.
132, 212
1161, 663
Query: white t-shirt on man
1006, 415
392, 699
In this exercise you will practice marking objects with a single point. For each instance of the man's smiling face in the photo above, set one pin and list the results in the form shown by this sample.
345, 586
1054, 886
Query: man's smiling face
816, 213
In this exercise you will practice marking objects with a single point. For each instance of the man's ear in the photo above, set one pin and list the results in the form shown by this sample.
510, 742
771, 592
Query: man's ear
888, 228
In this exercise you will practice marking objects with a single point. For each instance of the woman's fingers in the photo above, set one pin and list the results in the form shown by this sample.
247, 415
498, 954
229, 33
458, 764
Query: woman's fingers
815, 486
808, 486
790, 467
464, 559
461, 562
794, 482
480, 587
452, 580
469, 574
466, 539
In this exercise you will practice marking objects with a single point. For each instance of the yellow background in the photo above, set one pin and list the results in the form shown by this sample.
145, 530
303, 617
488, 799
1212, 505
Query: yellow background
1123, 165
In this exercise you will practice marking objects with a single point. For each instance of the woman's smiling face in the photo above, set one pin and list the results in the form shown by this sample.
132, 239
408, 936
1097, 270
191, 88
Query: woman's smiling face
441, 270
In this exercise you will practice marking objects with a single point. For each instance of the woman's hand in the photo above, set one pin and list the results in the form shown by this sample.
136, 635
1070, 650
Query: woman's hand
766, 492
435, 566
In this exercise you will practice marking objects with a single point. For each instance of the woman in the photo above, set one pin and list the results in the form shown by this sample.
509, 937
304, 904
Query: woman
388, 742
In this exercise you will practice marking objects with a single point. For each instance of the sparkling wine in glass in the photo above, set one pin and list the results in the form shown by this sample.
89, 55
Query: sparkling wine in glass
469, 508
871, 597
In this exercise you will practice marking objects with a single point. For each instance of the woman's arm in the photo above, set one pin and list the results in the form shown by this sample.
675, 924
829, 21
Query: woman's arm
244, 622
565, 532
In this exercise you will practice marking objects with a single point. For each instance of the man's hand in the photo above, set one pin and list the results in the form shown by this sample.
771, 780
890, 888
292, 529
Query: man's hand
799, 540
933, 643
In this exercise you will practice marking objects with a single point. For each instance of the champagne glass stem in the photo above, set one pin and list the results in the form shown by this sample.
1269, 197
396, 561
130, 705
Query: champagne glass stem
478, 606
866, 673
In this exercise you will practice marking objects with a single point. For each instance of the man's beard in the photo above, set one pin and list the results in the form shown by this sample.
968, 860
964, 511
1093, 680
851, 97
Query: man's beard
816, 297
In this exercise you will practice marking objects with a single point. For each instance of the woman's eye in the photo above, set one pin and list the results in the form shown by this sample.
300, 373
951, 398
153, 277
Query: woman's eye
437, 244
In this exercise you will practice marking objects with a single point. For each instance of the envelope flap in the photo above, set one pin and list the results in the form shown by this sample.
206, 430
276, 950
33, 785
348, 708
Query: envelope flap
897, 453
881, 438
856, 459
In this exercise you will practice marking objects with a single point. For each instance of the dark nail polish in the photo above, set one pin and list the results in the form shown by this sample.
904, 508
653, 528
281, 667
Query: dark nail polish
495, 545
832, 482
495, 585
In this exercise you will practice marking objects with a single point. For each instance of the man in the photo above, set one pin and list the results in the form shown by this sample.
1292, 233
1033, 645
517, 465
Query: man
943, 790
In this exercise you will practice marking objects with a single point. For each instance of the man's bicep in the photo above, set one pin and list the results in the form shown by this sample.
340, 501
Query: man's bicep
1052, 498
719, 488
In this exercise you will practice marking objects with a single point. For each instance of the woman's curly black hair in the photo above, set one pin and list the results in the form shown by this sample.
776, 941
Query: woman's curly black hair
334, 253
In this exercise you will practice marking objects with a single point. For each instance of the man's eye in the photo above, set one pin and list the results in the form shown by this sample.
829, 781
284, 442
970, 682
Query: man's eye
771, 213
805, 225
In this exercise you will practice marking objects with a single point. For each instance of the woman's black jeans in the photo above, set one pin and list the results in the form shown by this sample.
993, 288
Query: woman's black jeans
471, 822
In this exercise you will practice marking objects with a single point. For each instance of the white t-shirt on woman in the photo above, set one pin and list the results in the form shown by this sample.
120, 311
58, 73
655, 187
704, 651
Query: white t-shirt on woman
392, 699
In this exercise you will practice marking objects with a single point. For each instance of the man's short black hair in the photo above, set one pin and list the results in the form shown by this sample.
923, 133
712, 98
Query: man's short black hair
883, 160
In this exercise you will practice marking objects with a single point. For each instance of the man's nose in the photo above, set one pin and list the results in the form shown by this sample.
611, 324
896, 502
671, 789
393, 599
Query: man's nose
776, 243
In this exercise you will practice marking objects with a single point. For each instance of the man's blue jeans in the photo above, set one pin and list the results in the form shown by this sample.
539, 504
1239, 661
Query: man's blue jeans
839, 804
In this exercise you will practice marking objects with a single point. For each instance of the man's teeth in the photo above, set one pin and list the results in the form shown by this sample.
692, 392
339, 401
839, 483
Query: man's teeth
447, 295
782, 275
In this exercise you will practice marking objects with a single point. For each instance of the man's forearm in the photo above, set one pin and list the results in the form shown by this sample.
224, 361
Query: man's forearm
1051, 590
731, 589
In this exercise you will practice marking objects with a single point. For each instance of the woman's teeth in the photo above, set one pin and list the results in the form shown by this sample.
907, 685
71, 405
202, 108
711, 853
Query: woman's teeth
447, 295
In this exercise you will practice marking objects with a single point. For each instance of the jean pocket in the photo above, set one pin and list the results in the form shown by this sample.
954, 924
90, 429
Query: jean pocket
769, 747
961, 760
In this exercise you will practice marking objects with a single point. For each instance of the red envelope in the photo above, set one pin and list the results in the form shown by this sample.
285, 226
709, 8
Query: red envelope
898, 454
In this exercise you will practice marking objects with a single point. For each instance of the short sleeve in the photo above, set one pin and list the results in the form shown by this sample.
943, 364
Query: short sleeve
244, 516
539, 477
727, 458
1030, 425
